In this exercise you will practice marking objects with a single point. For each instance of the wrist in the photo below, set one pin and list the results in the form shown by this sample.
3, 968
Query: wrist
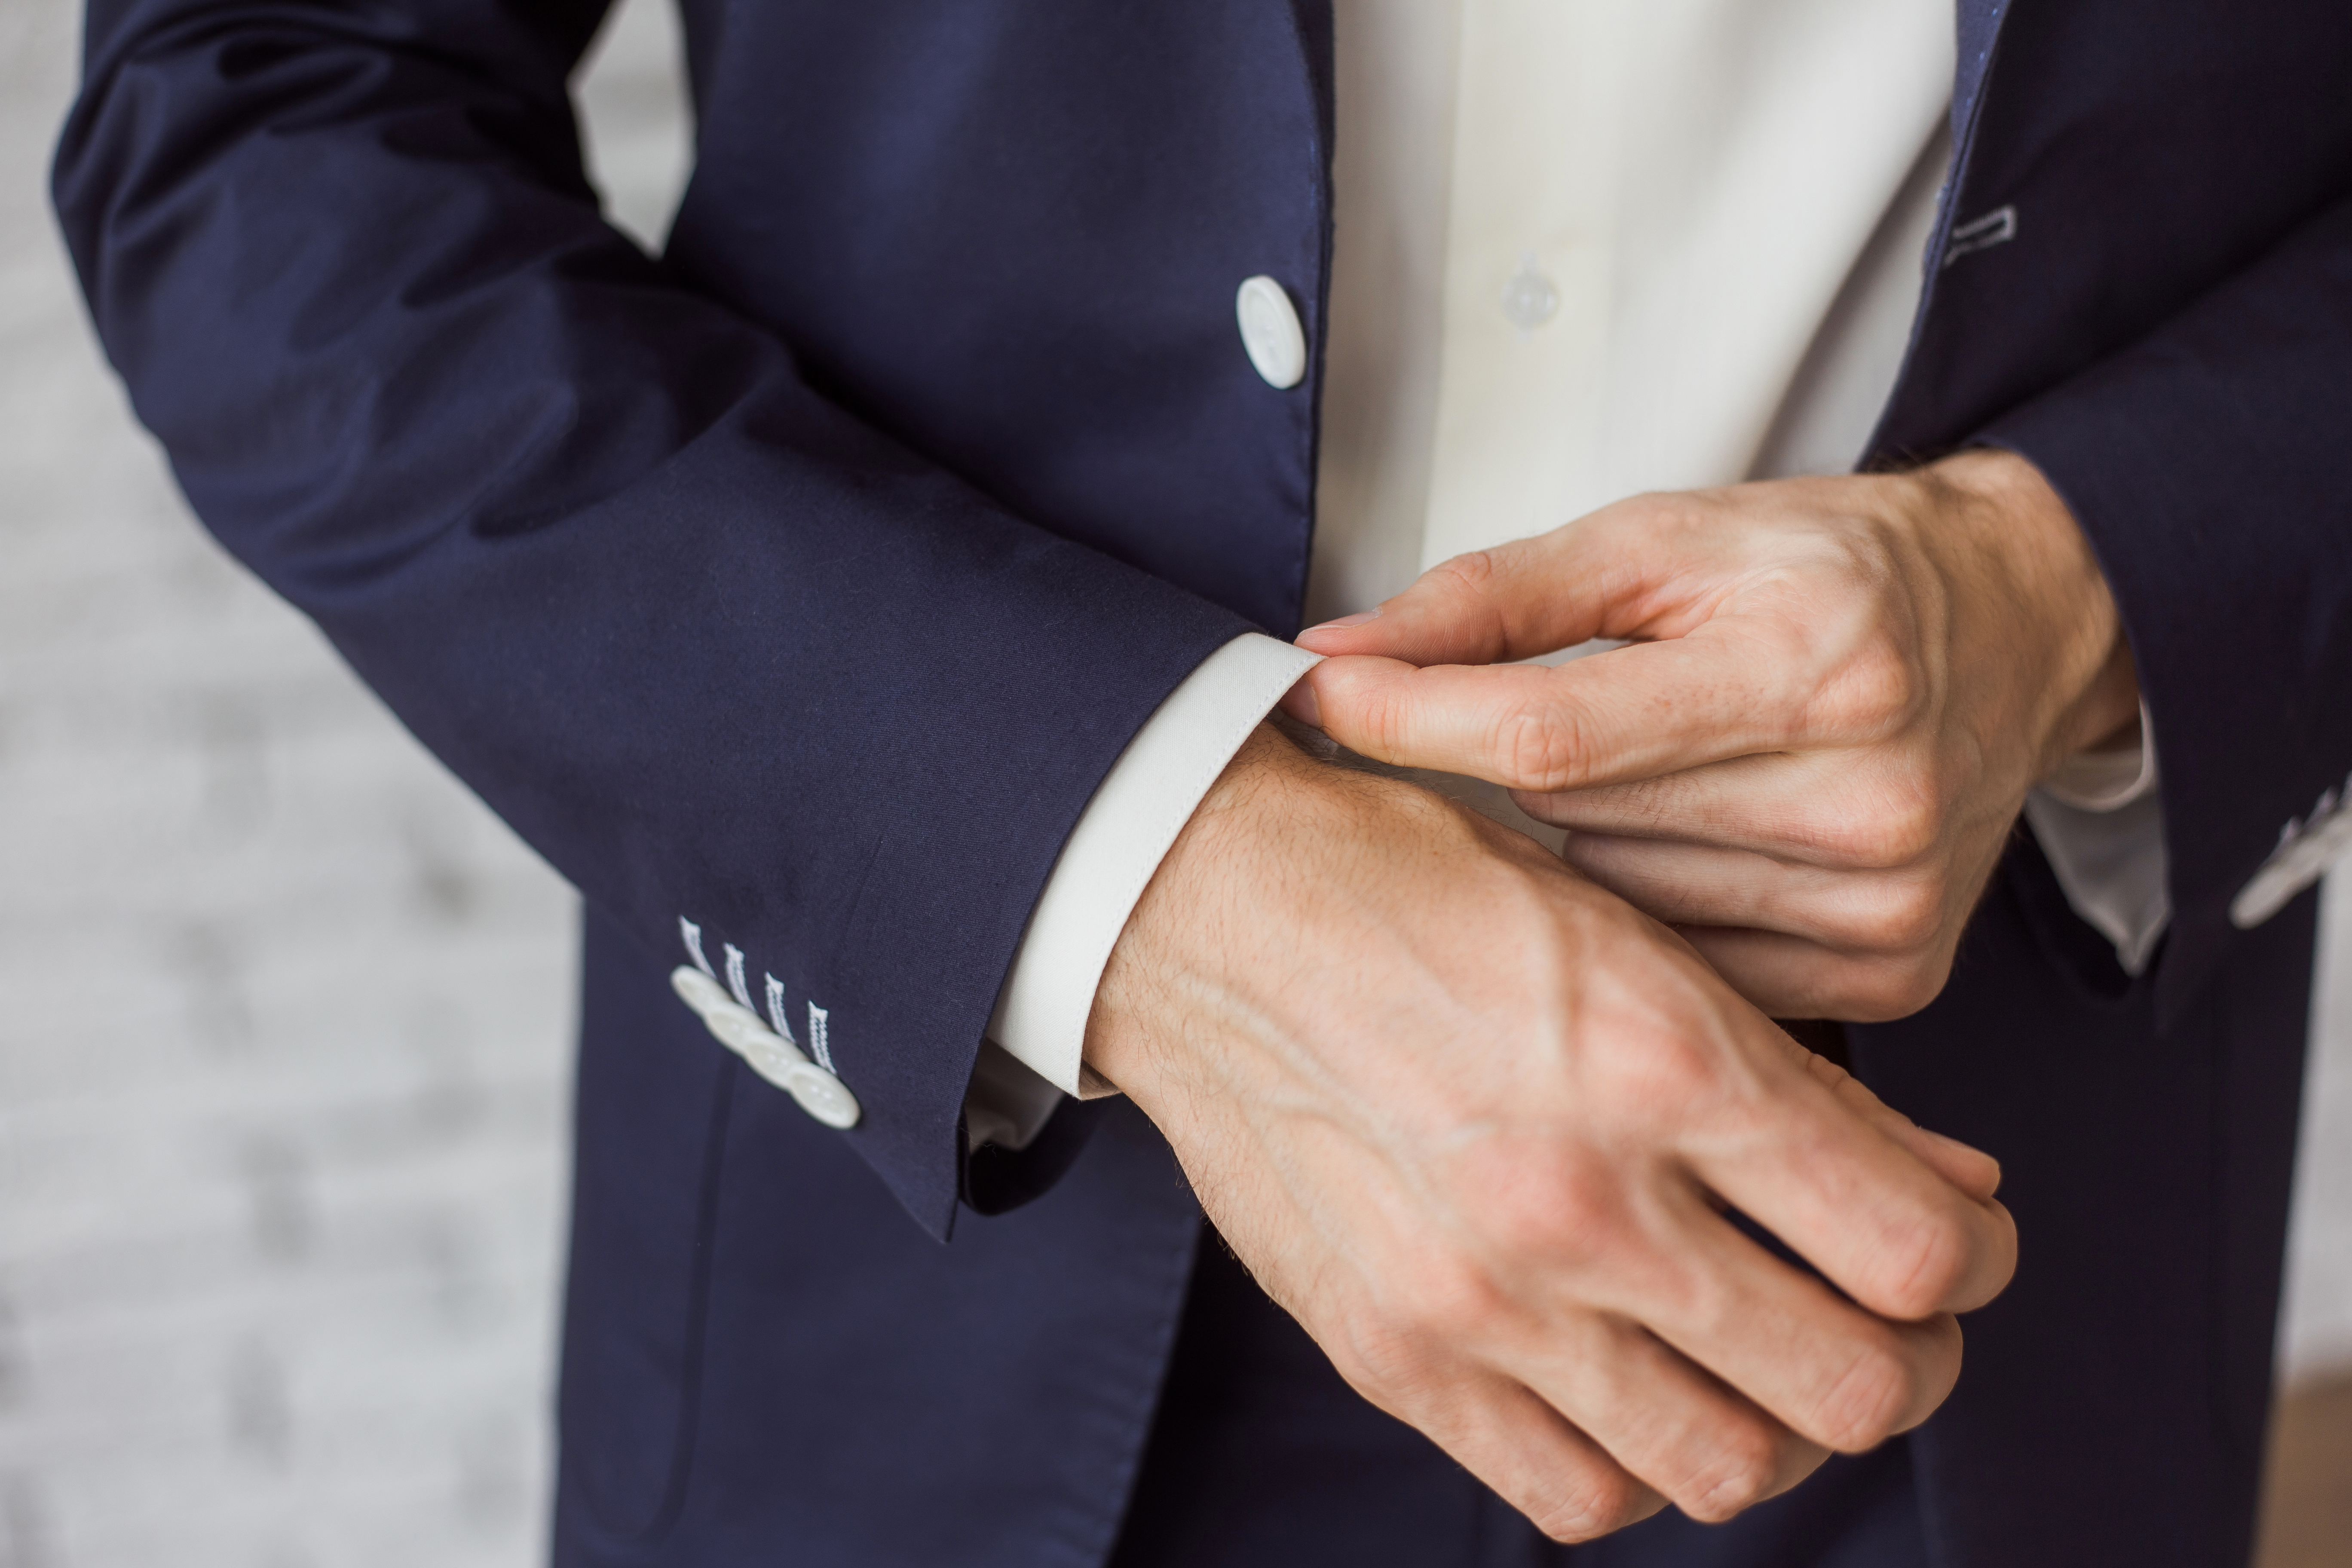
1227, 929
1133, 1016
2042, 604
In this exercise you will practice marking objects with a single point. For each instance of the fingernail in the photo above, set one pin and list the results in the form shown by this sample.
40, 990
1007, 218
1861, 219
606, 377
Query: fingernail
1343, 623
1300, 704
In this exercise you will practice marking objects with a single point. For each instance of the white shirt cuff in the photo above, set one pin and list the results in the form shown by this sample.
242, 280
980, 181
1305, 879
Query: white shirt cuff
2100, 821
1005, 1103
1142, 803
2107, 781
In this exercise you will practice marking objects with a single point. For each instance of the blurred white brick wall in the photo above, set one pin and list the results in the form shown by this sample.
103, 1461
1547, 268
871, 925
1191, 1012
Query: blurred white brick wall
285, 1015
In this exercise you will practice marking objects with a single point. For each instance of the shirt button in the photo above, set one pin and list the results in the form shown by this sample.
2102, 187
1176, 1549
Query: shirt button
1271, 335
1529, 298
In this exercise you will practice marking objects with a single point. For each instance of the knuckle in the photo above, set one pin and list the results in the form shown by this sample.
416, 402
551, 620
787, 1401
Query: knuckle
1880, 991
1536, 749
1914, 918
1868, 1401
1878, 691
1468, 575
1901, 917
1645, 1047
1386, 1357
1740, 1476
1895, 823
1586, 1506
1909, 828
1552, 1205
1382, 712
1448, 1300
1676, 1076
1924, 1266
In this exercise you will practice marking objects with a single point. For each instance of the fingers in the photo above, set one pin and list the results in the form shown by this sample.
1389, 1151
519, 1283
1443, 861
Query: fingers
1699, 1444
1733, 687
1715, 1373
1884, 1226
1794, 977
1564, 1482
1769, 620
1832, 1373
1516, 601
1798, 940
1970, 1169
1849, 808
1853, 913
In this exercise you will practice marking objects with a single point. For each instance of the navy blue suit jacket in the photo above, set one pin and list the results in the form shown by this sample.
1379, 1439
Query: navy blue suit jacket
804, 582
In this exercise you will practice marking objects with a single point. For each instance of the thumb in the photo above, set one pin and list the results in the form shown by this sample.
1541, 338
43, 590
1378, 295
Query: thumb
1516, 601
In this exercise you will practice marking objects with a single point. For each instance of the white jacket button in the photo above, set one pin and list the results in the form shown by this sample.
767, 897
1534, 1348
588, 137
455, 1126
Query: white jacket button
1271, 334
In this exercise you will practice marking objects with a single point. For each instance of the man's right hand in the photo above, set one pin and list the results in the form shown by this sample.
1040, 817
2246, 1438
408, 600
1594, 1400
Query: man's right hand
1474, 1122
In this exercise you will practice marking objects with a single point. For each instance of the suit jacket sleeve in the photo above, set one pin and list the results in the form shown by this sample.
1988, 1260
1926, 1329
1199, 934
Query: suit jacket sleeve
717, 650
2210, 465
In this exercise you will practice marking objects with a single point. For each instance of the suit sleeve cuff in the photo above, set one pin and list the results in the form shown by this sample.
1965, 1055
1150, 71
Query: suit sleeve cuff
1126, 830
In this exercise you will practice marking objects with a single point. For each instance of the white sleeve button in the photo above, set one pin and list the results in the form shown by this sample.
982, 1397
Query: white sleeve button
1271, 335
822, 1096
697, 990
769, 1054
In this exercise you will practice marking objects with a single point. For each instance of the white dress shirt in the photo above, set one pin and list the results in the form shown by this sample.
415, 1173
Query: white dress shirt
1582, 248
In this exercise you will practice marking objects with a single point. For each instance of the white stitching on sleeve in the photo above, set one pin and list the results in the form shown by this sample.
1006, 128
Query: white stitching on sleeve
735, 974
693, 936
820, 1042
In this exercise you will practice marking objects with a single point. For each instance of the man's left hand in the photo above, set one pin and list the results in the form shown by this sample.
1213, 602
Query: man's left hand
1835, 696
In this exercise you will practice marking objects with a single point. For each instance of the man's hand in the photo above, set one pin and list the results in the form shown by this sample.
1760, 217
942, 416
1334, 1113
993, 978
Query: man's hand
1809, 760
1474, 1122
